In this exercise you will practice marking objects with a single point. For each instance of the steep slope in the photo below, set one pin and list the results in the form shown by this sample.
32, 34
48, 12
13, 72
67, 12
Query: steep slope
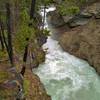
10, 81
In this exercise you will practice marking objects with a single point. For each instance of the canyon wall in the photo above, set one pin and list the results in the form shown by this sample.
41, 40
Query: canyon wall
84, 40
79, 34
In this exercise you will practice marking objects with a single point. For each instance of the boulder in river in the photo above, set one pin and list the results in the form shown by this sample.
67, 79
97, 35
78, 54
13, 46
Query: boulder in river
55, 19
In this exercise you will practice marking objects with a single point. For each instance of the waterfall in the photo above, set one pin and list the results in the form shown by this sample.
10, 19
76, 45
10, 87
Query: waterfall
65, 76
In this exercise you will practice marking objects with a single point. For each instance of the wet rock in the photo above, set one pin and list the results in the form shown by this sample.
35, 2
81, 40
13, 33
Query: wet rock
97, 16
42, 39
38, 57
78, 21
67, 18
86, 14
55, 19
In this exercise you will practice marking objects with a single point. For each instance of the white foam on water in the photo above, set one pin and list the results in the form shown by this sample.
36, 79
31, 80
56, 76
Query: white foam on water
66, 77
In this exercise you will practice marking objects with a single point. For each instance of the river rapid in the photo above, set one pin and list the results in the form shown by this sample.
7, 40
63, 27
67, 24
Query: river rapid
65, 76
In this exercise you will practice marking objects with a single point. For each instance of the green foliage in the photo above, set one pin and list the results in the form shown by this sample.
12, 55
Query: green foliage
23, 32
3, 76
69, 11
47, 2
46, 32
70, 7
24, 17
20, 40
3, 17
3, 54
44, 2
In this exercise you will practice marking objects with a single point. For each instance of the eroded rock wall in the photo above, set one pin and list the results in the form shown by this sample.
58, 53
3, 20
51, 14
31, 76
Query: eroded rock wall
84, 42
83, 37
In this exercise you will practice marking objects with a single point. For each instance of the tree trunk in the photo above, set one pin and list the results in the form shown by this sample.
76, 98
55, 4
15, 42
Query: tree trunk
32, 11
9, 33
3, 36
25, 58
1, 40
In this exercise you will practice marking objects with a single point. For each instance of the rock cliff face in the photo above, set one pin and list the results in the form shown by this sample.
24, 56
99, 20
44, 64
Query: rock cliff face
55, 19
84, 40
34, 89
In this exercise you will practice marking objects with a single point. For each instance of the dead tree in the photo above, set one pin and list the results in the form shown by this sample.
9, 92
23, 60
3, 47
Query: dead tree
10, 49
25, 58
32, 11
1, 40
1, 37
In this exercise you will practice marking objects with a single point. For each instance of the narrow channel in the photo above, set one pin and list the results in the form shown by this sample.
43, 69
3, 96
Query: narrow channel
65, 76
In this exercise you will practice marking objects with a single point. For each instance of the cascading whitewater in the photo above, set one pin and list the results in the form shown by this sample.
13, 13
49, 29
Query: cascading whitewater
66, 77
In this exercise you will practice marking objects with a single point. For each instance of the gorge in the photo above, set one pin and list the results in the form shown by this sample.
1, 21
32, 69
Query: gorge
49, 49
65, 76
